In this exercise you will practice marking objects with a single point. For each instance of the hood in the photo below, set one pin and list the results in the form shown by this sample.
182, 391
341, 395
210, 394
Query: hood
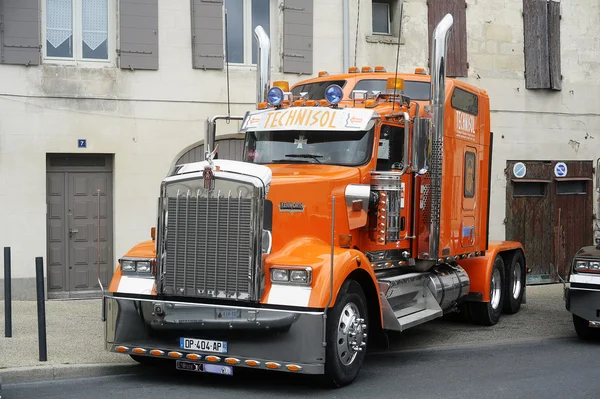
301, 198
588, 252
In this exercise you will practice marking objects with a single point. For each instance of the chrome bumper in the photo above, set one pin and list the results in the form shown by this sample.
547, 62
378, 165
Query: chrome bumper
583, 300
256, 337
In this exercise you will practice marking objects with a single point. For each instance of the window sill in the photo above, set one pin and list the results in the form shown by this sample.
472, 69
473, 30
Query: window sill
384, 39
79, 63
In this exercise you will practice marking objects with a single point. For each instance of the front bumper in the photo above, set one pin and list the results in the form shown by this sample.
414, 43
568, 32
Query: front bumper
583, 300
265, 338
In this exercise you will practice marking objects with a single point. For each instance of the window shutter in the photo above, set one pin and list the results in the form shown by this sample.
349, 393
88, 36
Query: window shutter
456, 60
19, 32
139, 34
207, 34
554, 45
535, 28
298, 36
541, 29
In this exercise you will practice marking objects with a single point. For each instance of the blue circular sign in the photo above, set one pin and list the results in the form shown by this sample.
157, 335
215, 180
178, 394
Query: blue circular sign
560, 169
519, 170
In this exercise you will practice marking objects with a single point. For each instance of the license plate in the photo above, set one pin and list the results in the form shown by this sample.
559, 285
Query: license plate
205, 345
204, 368
228, 314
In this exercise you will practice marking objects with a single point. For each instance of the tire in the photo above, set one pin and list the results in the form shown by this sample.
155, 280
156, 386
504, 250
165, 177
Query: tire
582, 328
349, 314
514, 286
488, 313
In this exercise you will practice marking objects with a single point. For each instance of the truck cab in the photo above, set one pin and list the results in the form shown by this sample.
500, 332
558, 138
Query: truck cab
353, 212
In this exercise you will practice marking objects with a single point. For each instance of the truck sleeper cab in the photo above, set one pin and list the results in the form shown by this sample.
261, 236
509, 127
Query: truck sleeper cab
345, 219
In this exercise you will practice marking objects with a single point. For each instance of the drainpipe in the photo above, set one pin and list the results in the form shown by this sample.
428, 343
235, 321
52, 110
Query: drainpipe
263, 67
346, 33
438, 95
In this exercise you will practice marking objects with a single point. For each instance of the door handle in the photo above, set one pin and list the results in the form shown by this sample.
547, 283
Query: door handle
72, 231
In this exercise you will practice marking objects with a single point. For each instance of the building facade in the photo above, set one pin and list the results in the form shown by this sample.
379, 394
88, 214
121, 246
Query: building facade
100, 98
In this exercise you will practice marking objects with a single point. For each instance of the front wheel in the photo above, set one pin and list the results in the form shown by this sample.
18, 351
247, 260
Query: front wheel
582, 328
488, 313
347, 324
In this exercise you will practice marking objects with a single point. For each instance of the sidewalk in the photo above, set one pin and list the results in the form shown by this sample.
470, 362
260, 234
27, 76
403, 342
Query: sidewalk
75, 335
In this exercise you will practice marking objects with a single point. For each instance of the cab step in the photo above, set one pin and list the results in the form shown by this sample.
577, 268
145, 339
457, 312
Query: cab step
407, 301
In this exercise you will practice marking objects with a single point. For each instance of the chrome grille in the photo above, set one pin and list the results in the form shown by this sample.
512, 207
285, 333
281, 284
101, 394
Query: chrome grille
208, 247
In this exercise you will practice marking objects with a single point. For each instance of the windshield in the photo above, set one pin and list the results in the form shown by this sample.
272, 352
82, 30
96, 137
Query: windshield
347, 148
418, 91
316, 91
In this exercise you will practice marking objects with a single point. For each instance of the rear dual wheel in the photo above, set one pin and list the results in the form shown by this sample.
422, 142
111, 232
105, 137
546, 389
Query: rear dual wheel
514, 286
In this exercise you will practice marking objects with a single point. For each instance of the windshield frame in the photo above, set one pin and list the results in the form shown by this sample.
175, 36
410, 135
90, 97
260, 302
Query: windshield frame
370, 133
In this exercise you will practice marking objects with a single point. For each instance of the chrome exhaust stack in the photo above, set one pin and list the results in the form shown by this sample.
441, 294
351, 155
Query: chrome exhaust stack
439, 47
263, 67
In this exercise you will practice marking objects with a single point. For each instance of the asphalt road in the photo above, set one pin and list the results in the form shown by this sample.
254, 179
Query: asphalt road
557, 368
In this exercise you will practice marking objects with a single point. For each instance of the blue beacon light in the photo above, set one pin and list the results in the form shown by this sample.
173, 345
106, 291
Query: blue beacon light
275, 96
334, 94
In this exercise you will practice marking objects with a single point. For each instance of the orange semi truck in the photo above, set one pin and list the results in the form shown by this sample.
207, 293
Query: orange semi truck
354, 212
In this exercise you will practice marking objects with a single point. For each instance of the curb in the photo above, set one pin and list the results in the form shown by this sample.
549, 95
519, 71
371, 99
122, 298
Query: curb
19, 375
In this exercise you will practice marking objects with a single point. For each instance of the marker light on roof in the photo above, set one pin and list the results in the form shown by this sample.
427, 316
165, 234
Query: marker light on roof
333, 94
275, 96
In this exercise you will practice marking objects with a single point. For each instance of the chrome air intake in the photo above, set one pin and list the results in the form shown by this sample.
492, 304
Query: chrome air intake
263, 67
438, 93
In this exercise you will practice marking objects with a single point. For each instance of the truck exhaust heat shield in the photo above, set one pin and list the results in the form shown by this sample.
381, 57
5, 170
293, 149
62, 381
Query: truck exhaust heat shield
438, 93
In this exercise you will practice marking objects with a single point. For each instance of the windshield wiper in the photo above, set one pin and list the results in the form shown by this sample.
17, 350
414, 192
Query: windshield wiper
312, 156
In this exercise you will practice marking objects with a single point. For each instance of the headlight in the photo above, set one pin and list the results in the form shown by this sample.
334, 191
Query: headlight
587, 266
300, 276
141, 266
278, 275
127, 266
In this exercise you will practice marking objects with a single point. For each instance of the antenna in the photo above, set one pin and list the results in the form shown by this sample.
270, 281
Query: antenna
356, 39
227, 66
401, 6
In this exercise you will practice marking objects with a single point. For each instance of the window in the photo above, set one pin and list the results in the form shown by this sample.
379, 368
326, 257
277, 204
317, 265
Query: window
381, 18
76, 29
570, 187
529, 189
541, 30
469, 177
464, 101
316, 91
346, 148
242, 16
415, 90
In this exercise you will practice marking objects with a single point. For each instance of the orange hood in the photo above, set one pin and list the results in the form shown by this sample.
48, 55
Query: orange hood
301, 198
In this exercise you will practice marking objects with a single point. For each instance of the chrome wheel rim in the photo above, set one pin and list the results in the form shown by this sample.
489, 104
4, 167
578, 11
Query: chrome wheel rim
516, 291
495, 289
351, 334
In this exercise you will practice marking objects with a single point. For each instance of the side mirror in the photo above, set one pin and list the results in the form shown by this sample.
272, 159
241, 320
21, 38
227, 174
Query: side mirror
420, 147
